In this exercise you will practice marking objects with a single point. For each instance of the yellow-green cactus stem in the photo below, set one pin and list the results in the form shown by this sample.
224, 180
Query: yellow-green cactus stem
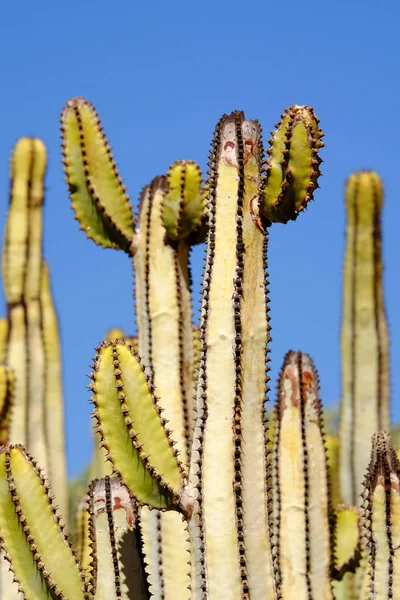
17, 359
292, 167
132, 428
22, 257
97, 193
304, 532
347, 552
53, 395
7, 383
22, 252
332, 444
364, 336
382, 518
228, 484
3, 339
117, 567
183, 204
32, 534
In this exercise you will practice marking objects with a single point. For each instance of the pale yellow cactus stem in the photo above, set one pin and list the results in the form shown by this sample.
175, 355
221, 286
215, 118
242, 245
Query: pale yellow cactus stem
53, 395
163, 312
364, 338
303, 528
22, 259
228, 470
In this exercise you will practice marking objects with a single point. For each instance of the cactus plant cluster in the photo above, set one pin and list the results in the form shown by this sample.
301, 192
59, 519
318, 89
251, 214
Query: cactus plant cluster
206, 498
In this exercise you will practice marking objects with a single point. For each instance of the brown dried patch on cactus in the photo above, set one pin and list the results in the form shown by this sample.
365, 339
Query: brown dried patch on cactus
118, 568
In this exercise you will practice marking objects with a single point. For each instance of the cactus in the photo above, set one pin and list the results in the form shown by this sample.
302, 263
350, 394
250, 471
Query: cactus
32, 345
365, 366
208, 498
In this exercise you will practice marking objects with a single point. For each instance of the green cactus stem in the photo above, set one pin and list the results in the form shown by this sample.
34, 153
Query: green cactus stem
117, 567
364, 337
229, 526
183, 204
32, 534
303, 528
97, 193
292, 167
347, 552
382, 518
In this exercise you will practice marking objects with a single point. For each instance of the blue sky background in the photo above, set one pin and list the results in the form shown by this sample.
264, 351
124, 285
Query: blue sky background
160, 75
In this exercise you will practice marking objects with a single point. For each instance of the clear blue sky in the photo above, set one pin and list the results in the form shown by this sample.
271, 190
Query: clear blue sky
161, 74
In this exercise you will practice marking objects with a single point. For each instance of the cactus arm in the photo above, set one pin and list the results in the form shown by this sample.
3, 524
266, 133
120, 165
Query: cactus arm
24, 485
382, 518
304, 532
183, 205
130, 420
117, 568
228, 432
53, 395
98, 196
7, 384
17, 549
292, 168
364, 336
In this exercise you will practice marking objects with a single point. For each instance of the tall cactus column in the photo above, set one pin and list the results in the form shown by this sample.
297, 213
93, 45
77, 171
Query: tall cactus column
364, 338
230, 471
32, 347
229, 462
